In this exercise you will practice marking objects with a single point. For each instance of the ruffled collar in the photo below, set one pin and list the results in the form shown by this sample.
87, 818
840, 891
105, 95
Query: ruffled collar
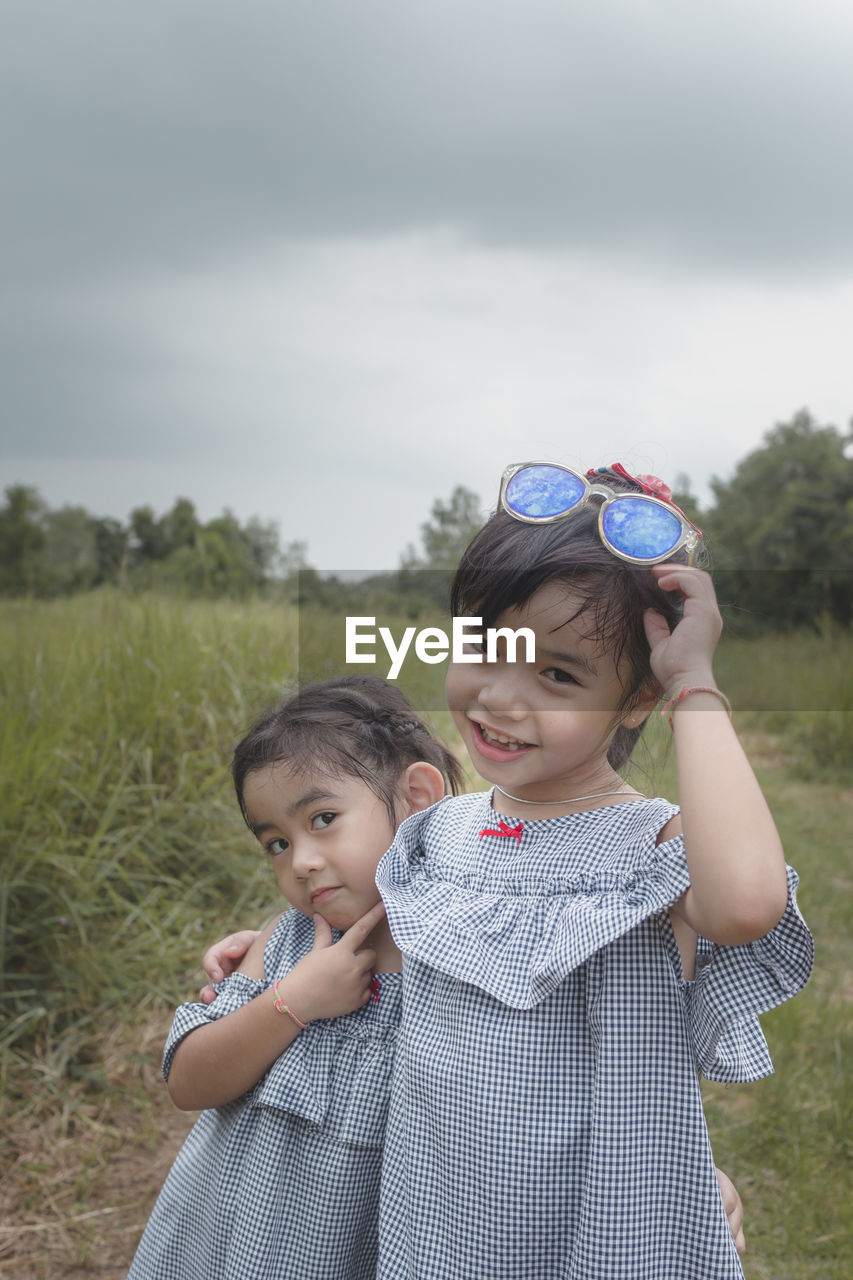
514, 916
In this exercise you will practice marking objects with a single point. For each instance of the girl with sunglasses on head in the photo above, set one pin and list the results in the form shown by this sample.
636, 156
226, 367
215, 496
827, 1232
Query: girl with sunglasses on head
280, 1175
576, 954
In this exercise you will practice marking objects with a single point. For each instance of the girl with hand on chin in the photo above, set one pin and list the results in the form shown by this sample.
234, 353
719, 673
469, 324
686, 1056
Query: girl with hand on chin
280, 1176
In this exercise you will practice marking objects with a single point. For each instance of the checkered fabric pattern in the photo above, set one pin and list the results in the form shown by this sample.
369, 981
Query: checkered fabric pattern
546, 1118
283, 1183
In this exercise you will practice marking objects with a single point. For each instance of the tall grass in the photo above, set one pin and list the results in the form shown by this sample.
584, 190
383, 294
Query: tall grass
788, 1140
119, 833
798, 688
124, 854
122, 845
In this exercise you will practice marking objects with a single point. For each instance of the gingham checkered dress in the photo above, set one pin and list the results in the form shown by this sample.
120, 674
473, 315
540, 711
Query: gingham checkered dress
546, 1119
282, 1184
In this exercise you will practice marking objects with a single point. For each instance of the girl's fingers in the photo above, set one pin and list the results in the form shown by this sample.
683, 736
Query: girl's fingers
357, 933
680, 577
694, 584
322, 934
656, 627
217, 959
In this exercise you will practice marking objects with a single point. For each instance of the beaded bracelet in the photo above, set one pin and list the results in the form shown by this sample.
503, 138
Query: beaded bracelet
281, 1007
669, 707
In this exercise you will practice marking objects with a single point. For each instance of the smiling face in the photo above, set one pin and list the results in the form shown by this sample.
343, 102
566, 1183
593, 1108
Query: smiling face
325, 837
542, 729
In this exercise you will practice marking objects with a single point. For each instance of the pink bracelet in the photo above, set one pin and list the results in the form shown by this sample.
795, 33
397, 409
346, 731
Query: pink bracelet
669, 707
281, 1007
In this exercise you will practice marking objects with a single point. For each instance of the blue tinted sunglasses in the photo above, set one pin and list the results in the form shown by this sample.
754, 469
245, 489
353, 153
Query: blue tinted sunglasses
636, 527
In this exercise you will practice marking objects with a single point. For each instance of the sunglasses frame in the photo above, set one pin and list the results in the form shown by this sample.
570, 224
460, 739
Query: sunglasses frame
690, 536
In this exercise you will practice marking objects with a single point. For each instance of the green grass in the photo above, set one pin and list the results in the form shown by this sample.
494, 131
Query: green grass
124, 855
788, 1140
118, 828
800, 689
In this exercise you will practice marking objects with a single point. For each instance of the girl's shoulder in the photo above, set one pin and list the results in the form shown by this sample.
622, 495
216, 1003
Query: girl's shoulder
290, 938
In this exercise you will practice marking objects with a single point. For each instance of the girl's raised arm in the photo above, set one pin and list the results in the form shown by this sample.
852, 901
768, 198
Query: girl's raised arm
221, 1060
738, 885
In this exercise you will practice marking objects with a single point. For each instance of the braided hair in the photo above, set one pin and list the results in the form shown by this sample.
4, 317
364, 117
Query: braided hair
355, 726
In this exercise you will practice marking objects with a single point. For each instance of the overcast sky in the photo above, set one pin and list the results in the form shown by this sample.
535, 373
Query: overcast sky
322, 260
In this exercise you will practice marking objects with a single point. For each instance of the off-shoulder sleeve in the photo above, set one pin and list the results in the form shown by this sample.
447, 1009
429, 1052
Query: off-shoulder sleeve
291, 938
235, 991
733, 985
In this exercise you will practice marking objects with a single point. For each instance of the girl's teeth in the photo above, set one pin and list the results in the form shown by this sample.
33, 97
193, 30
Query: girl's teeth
501, 738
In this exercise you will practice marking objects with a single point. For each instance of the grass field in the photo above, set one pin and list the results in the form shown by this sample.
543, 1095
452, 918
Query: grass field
124, 854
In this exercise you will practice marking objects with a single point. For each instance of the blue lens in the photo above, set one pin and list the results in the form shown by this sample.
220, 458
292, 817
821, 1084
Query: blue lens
640, 529
542, 492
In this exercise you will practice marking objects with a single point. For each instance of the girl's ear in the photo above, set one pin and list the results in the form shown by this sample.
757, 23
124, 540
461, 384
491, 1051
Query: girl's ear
641, 709
420, 786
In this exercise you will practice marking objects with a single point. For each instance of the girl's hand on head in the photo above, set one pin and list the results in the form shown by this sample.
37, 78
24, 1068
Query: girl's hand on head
685, 655
334, 978
223, 958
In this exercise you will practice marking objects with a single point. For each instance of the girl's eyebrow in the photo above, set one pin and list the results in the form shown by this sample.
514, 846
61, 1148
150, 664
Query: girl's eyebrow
257, 829
569, 659
311, 797
302, 802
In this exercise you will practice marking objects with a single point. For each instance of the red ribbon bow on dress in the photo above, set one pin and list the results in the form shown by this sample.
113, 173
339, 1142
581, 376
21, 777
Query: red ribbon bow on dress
503, 830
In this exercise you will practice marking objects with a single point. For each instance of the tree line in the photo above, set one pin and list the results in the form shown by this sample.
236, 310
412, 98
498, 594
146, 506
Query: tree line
46, 552
780, 533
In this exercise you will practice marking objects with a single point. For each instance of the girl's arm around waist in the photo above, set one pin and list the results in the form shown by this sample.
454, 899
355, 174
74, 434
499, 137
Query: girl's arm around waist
221, 1060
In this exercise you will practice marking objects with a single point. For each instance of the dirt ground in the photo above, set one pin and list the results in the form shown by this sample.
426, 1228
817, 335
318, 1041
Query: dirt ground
77, 1184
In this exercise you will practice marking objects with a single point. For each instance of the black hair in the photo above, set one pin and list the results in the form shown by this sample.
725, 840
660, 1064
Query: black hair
356, 726
509, 560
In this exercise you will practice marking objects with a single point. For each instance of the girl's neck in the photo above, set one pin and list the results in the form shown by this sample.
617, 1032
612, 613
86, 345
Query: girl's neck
548, 802
388, 958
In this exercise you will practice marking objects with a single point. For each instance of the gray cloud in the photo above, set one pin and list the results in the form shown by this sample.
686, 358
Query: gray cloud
140, 134
285, 256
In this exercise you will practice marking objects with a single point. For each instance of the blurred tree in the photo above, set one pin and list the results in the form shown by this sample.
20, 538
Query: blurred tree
22, 538
57, 552
179, 553
179, 526
111, 543
444, 537
293, 560
68, 556
149, 537
263, 546
229, 563
781, 529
